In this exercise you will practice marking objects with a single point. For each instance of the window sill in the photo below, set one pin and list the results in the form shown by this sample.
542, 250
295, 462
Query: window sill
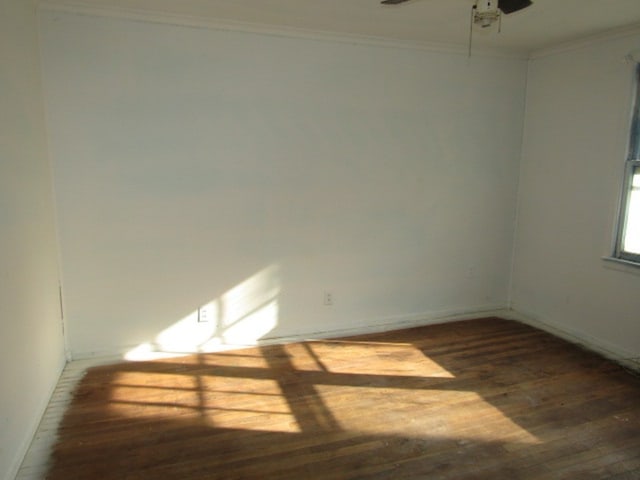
622, 265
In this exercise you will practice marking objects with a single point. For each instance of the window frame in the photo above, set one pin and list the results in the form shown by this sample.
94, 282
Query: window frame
632, 167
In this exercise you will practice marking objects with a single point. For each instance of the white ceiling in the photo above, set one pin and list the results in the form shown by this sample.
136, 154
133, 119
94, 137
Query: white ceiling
545, 24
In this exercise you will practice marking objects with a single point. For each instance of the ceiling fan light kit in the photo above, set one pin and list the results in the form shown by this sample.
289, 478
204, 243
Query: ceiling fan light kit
485, 13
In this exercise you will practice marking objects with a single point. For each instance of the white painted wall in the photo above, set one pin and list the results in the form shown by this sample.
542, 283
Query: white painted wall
576, 134
31, 345
256, 172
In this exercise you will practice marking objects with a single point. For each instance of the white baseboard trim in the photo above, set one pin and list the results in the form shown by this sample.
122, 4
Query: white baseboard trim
625, 358
621, 356
36, 461
397, 323
34, 425
90, 359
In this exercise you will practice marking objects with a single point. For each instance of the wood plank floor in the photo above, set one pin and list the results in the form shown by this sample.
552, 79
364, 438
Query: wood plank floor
486, 398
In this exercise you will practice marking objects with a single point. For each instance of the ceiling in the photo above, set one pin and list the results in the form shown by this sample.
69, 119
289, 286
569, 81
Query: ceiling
545, 24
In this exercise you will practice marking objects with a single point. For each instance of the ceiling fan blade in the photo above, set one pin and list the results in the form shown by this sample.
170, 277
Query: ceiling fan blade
393, 2
510, 6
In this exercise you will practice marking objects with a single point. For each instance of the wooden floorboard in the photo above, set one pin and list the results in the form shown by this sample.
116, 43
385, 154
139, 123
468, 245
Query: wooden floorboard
486, 398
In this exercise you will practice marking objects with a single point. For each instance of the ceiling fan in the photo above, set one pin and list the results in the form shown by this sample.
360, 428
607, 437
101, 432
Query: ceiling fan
484, 13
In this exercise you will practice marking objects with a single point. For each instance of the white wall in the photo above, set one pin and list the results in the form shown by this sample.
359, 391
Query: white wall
576, 134
259, 171
31, 345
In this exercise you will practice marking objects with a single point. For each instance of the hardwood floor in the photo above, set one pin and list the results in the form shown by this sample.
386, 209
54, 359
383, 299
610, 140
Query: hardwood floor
485, 398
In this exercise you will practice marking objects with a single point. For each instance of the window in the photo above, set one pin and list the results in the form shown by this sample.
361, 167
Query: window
628, 241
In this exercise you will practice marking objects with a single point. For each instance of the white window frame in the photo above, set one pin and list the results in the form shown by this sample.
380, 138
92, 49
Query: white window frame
632, 166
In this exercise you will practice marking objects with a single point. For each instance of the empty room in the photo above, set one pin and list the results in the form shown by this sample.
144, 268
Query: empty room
320, 239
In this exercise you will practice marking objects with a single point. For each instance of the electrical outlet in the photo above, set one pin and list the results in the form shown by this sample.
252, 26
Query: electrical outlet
328, 299
205, 313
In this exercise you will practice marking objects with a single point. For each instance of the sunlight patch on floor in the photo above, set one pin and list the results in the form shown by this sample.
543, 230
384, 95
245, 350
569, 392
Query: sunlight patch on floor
481, 421
234, 403
404, 359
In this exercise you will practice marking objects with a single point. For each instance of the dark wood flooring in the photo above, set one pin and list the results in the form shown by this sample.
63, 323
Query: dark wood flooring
482, 399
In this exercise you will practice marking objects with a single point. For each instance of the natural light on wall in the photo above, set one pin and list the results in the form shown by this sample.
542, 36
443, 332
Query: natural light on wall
240, 316
632, 229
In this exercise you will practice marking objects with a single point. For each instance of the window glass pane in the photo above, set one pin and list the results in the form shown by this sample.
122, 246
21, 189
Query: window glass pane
631, 242
634, 150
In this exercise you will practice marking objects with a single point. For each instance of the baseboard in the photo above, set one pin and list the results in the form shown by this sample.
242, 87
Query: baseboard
396, 323
89, 359
621, 356
31, 431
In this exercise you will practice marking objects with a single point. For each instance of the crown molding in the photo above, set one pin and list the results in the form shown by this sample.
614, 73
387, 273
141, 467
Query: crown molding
146, 16
584, 42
